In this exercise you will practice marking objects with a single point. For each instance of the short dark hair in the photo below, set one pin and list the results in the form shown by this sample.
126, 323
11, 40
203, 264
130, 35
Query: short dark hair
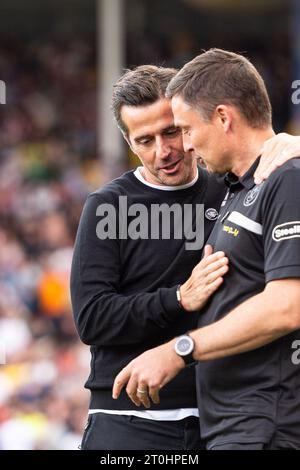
138, 87
222, 77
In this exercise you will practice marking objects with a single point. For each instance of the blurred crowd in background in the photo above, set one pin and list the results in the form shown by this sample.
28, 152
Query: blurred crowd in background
48, 165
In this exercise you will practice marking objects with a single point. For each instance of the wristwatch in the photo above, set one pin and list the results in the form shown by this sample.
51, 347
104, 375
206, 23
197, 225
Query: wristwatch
184, 347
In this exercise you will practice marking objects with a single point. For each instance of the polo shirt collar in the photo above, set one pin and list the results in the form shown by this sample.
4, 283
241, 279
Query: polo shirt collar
235, 183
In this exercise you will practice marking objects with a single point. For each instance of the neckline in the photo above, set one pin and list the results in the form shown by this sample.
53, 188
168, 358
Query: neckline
139, 176
246, 181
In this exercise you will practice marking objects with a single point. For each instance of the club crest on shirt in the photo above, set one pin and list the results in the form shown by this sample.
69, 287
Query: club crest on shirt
252, 195
211, 213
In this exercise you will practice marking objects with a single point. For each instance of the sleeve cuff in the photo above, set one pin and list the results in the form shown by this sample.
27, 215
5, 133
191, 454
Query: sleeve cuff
283, 273
170, 303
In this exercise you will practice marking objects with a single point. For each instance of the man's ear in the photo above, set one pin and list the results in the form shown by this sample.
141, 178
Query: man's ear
224, 116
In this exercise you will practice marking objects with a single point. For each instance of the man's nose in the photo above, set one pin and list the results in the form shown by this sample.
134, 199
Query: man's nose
163, 150
187, 144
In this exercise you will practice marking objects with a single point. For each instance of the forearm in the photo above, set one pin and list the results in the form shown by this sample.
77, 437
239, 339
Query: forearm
254, 323
114, 319
249, 326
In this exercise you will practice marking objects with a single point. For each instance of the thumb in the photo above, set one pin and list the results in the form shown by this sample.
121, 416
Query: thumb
208, 250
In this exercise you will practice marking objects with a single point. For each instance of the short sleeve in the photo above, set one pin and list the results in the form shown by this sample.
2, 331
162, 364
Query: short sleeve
281, 224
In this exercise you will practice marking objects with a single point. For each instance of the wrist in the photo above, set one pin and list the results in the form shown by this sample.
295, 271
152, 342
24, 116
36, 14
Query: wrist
177, 360
184, 347
183, 294
171, 355
178, 295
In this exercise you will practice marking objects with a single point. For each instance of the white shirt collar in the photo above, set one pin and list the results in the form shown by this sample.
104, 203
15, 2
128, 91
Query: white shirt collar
140, 177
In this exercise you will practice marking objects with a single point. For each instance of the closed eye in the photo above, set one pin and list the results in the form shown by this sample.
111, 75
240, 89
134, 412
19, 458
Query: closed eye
172, 131
144, 140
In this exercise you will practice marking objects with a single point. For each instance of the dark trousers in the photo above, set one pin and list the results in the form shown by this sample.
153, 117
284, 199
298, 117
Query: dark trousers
273, 445
114, 432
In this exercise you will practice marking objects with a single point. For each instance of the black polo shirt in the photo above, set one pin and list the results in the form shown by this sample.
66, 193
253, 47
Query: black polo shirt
254, 396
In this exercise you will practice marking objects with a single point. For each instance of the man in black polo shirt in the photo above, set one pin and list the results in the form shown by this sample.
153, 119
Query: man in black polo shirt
248, 376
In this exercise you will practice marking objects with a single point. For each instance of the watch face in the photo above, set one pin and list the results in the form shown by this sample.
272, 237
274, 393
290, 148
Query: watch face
184, 345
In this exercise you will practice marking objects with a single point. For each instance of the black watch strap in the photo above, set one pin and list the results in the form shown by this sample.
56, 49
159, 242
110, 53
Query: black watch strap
184, 347
189, 360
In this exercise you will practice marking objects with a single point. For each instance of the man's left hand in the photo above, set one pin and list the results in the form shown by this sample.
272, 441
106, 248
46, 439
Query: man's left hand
148, 373
275, 152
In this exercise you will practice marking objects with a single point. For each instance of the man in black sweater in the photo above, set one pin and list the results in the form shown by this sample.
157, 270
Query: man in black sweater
139, 238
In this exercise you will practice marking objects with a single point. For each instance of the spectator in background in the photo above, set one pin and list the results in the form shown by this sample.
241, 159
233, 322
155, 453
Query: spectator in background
47, 157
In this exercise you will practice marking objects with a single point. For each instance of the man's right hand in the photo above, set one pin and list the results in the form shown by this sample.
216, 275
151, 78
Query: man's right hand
206, 278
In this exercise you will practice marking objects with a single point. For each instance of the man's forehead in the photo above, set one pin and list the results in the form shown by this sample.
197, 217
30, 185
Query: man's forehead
181, 111
149, 118
179, 105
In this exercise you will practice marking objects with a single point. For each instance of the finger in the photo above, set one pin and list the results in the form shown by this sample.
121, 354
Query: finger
264, 161
215, 265
278, 149
210, 259
135, 399
258, 179
266, 156
272, 167
143, 397
286, 155
269, 151
216, 274
280, 160
213, 286
154, 395
131, 391
208, 250
120, 381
